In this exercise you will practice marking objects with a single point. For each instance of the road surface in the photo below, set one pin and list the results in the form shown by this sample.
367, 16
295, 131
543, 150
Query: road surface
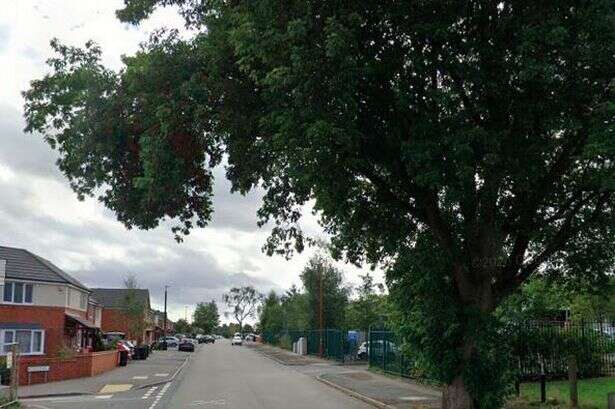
221, 376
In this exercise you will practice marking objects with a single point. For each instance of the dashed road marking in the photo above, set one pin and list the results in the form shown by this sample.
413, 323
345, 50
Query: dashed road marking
159, 395
149, 392
161, 374
140, 377
103, 397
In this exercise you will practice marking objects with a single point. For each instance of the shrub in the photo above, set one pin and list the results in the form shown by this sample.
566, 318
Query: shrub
285, 342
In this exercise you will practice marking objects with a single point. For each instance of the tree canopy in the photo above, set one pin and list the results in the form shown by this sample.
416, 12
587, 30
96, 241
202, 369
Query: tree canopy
206, 317
486, 125
242, 303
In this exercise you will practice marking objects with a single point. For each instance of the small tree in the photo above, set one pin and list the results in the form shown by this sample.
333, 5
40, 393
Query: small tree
182, 326
242, 303
134, 308
206, 316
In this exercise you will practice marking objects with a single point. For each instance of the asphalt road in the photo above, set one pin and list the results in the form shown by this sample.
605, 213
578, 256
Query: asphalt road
224, 377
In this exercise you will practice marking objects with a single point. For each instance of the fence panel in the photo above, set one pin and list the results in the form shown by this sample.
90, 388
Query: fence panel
535, 346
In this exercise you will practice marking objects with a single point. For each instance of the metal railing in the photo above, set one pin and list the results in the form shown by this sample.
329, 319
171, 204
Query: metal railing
335, 344
535, 348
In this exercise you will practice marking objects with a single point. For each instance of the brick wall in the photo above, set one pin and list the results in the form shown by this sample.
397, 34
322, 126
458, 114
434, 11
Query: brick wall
103, 361
51, 319
79, 366
115, 320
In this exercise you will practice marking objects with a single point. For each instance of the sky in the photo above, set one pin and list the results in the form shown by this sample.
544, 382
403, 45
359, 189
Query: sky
39, 211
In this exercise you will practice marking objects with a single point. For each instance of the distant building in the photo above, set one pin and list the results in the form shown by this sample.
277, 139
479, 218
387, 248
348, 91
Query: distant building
115, 317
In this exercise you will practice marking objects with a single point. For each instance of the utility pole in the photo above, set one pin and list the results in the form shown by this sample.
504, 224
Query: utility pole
320, 318
164, 326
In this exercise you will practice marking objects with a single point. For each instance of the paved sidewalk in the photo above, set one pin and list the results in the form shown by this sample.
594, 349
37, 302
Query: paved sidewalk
381, 391
161, 366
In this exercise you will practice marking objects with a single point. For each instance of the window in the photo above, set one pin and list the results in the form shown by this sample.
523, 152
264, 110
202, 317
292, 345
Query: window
31, 341
7, 340
83, 301
18, 293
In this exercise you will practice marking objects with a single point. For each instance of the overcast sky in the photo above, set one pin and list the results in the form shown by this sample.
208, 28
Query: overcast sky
39, 212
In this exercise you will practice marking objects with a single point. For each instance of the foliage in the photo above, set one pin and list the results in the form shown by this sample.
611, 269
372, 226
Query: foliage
488, 126
134, 308
369, 309
206, 317
65, 352
285, 342
243, 303
271, 318
541, 299
436, 328
323, 282
182, 326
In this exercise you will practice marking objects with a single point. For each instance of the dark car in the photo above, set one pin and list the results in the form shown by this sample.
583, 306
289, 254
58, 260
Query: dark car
186, 345
209, 339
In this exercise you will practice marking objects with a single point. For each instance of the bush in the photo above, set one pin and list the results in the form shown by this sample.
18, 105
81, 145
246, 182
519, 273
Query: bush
285, 342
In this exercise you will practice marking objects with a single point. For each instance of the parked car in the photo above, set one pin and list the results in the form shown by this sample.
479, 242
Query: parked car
209, 339
186, 344
236, 340
250, 337
180, 336
379, 345
172, 342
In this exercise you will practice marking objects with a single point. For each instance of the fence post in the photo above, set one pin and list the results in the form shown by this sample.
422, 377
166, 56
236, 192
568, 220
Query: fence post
543, 384
572, 378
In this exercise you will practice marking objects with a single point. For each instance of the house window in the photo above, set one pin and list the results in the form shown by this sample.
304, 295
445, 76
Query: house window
31, 341
18, 293
83, 301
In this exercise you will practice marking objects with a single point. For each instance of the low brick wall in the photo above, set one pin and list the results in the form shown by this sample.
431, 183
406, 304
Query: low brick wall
79, 366
103, 361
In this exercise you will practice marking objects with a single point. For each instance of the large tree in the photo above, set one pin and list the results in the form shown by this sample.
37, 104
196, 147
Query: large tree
486, 125
206, 316
242, 303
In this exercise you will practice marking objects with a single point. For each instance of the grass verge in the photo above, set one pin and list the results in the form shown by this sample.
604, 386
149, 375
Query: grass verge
592, 394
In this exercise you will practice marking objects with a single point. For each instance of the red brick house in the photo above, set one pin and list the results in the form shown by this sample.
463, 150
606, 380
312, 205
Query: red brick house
116, 319
51, 316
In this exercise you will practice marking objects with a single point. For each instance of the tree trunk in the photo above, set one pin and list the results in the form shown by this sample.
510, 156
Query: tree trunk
456, 396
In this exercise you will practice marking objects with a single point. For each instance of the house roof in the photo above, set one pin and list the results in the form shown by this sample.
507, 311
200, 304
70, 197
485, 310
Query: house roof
24, 265
116, 297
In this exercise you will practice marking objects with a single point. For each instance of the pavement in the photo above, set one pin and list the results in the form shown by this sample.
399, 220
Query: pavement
356, 380
245, 377
159, 368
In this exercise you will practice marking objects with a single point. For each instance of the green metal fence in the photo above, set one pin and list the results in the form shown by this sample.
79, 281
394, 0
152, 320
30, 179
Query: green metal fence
385, 353
333, 341
534, 348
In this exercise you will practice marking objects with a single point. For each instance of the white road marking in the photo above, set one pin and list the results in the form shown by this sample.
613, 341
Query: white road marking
161, 375
149, 392
159, 395
140, 377
103, 397
219, 402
